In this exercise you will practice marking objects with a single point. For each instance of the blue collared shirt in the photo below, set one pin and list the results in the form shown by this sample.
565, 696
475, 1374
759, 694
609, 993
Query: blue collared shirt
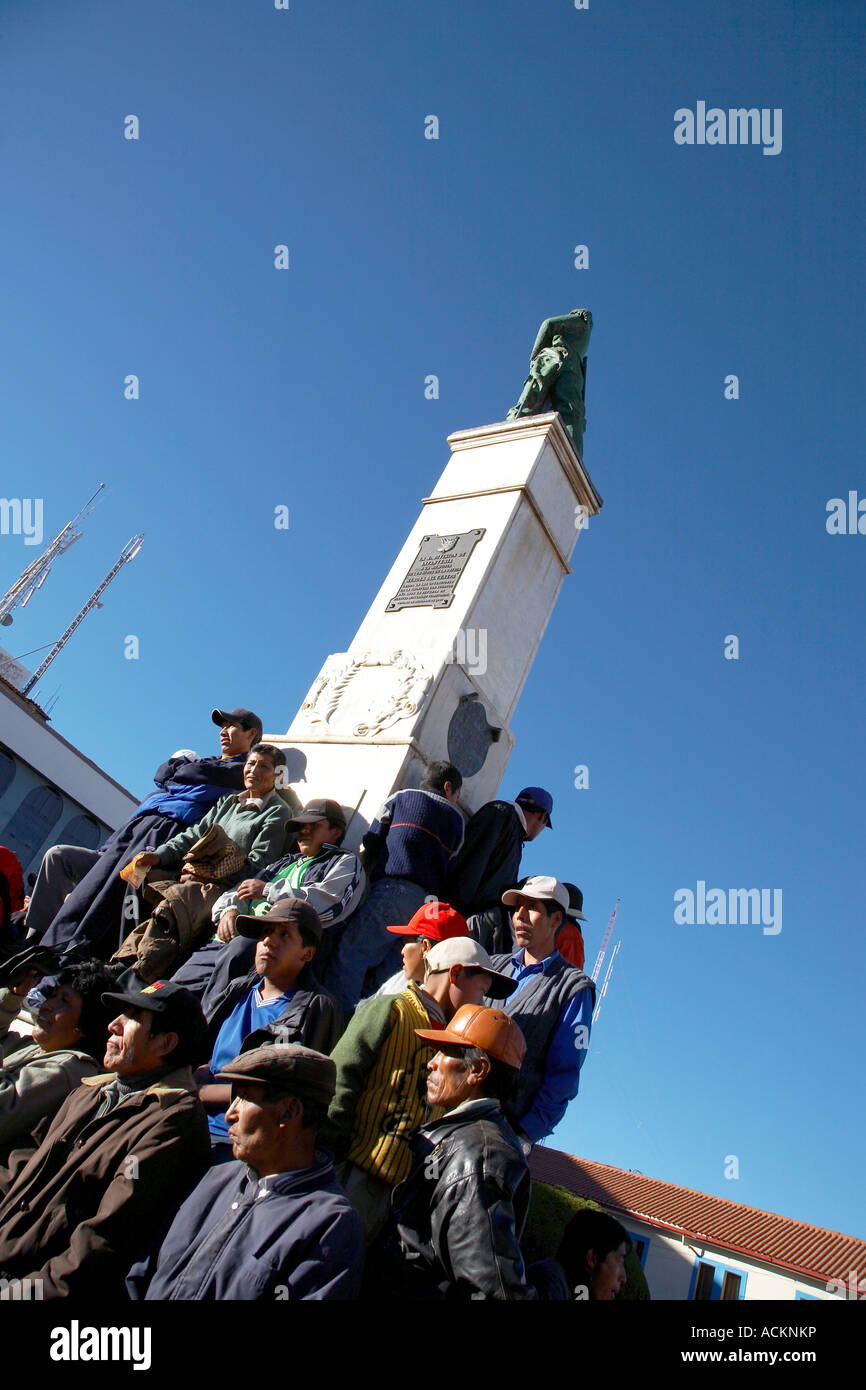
565, 1056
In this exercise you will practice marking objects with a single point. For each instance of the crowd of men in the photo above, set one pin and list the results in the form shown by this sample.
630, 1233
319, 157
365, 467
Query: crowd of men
265, 1067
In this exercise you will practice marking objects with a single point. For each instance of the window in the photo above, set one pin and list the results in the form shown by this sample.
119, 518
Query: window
81, 830
640, 1245
714, 1281
29, 827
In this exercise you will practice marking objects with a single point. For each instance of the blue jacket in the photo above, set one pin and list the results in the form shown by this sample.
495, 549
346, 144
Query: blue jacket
414, 836
302, 1240
188, 788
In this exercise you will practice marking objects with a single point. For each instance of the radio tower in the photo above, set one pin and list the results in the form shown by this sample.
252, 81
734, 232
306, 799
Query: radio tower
607, 935
129, 552
36, 574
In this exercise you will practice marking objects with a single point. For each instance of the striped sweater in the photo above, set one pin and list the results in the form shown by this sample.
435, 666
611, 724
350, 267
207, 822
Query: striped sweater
380, 1100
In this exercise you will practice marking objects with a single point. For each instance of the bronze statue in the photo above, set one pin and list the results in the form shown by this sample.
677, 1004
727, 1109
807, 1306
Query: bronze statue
557, 373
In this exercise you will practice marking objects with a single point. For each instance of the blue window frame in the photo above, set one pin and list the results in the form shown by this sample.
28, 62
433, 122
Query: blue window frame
714, 1281
640, 1245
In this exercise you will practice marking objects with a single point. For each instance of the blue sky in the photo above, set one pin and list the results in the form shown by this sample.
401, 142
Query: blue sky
306, 388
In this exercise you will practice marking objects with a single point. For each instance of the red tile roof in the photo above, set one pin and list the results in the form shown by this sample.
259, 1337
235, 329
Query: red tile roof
790, 1245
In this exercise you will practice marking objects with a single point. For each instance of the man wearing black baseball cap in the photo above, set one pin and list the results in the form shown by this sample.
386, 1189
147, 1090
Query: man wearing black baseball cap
489, 862
77, 901
274, 1224
84, 1205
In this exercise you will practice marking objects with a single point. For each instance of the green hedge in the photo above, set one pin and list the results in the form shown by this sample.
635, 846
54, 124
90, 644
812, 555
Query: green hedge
550, 1209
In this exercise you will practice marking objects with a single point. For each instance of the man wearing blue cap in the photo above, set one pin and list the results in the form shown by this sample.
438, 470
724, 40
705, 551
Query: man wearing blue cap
489, 863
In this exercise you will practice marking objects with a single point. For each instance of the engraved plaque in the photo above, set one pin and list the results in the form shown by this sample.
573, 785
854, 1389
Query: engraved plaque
434, 572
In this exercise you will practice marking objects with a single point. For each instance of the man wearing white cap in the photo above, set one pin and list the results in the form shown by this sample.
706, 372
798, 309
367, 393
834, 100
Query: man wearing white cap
552, 1004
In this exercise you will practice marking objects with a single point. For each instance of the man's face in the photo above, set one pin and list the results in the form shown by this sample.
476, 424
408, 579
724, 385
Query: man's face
536, 820
131, 1049
281, 954
535, 927
447, 1078
313, 834
259, 774
468, 987
254, 1126
413, 959
610, 1275
234, 738
57, 1020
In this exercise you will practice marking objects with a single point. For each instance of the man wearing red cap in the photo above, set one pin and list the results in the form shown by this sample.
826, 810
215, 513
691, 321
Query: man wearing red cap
432, 923
456, 1220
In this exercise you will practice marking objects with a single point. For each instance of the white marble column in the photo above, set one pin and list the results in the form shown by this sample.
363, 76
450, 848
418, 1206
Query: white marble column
515, 493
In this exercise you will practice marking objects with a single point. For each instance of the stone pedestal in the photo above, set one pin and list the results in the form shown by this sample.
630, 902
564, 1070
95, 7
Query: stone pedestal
441, 678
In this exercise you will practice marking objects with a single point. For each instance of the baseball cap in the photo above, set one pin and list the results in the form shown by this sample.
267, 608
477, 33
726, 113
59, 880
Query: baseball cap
492, 1030
296, 910
547, 889
436, 921
463, 950
244, 717
297, 1070
575, 902
179, 1011
320, 809
537, 796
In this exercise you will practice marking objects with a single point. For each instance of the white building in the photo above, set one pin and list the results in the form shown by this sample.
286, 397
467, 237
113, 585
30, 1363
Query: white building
694, 1246
50, 793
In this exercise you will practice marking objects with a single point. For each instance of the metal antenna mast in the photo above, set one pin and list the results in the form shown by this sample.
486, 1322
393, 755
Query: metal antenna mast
129, 552
596, 969
36, 574
606, 980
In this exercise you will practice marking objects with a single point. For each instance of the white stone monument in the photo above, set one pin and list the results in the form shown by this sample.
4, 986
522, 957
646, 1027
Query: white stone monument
437, 666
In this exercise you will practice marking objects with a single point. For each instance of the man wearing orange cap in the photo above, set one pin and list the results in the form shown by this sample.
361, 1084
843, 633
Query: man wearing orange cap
379, 1100
456, 1220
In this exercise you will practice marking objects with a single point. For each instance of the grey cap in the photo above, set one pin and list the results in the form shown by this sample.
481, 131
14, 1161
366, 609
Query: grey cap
299, 1071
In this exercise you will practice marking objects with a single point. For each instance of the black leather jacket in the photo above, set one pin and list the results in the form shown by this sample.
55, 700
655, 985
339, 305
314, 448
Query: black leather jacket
457, 1218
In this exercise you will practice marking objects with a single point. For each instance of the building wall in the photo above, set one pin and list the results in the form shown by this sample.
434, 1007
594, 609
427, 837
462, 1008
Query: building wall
50, 793
671, 1269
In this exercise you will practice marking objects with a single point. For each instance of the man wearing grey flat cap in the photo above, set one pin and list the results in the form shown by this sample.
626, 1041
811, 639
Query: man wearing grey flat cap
274, 1224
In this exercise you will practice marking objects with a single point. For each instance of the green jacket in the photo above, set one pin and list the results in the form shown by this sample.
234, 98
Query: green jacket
381, 1095
260, 831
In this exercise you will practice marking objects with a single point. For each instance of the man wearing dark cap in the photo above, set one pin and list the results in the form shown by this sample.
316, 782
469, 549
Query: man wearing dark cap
457, 1219
489, 862
124, 1149
552, 1003
318, 872
273, 1224
569, 938
279, 999
188, 786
